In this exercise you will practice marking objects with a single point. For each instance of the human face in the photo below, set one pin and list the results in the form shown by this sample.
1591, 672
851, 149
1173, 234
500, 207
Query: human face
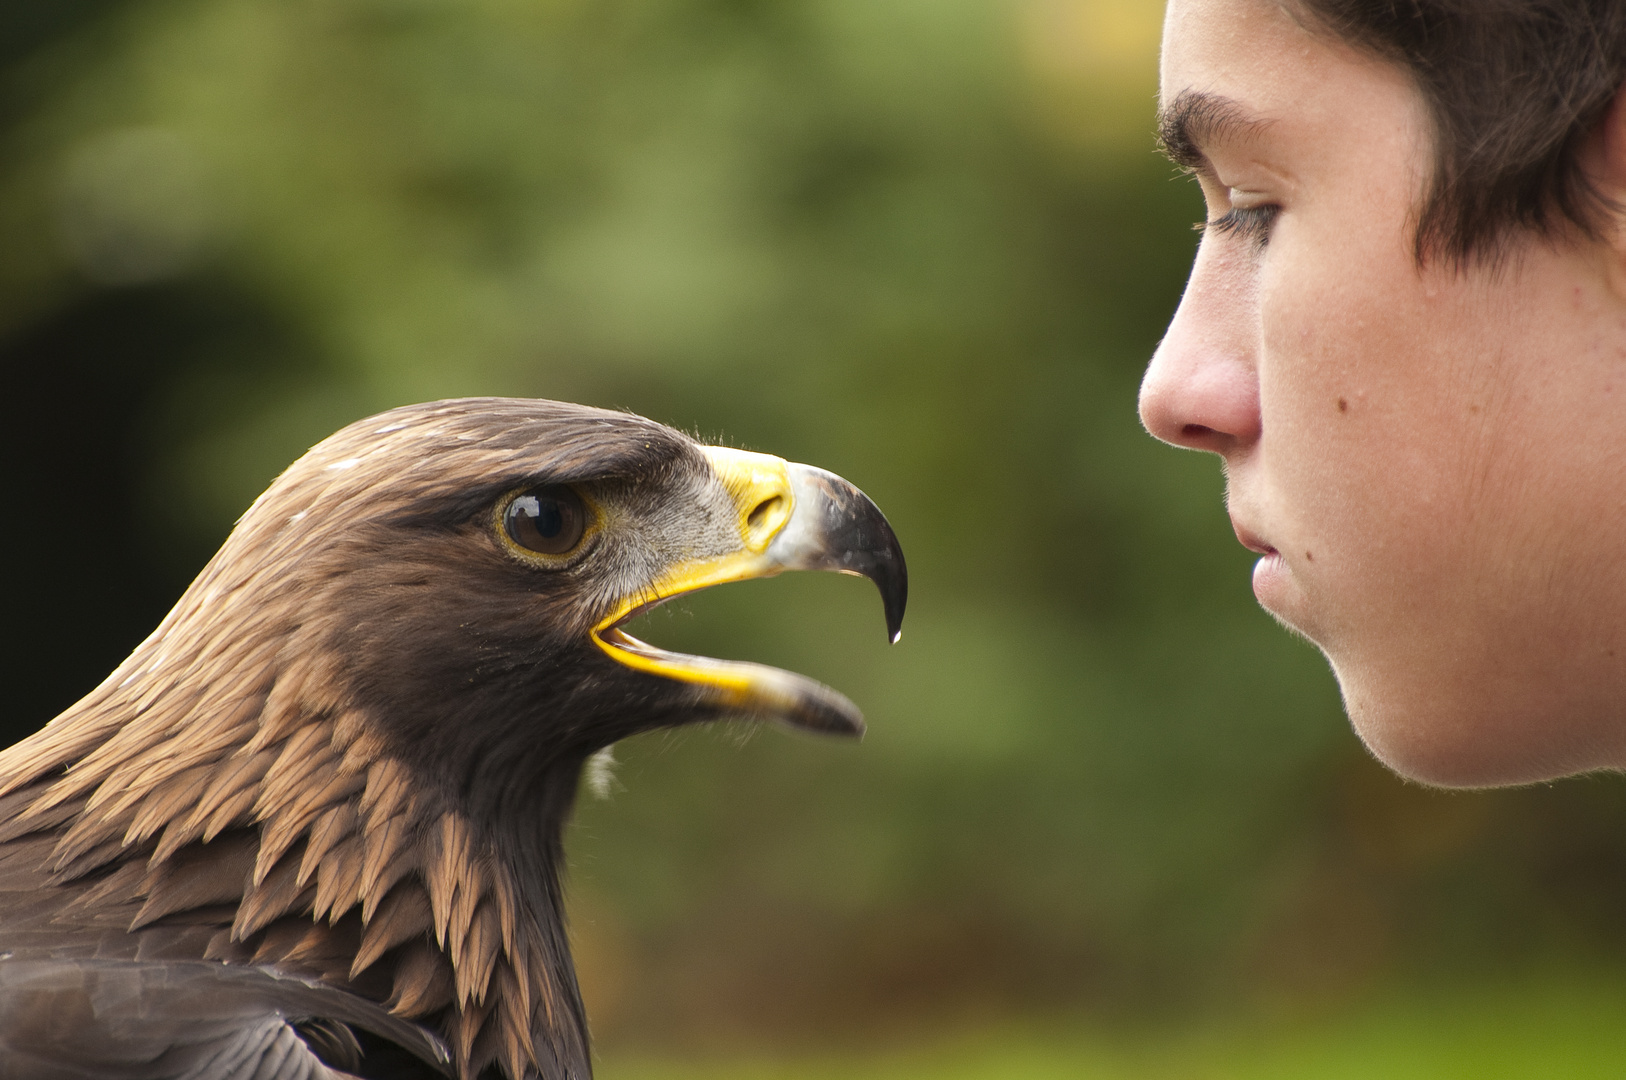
1430, 462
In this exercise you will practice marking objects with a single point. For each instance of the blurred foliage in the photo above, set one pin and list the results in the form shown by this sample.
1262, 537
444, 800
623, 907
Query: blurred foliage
1556, 1025
926, 245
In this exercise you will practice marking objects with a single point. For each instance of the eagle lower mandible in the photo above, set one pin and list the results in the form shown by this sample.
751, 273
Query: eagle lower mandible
311, 828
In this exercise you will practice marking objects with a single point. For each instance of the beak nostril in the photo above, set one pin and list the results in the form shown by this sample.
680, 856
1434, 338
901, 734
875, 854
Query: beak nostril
763, 511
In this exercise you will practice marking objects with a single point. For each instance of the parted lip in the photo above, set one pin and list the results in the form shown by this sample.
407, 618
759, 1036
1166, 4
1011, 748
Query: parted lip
791, 517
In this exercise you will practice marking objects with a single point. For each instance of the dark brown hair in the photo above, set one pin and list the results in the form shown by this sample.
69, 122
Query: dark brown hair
1513, 87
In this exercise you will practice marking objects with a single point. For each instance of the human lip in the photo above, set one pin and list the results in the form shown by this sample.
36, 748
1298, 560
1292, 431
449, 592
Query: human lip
1251, 540
1271, 578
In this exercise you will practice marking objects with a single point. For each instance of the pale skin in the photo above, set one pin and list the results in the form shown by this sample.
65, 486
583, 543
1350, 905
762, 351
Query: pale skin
1430, 460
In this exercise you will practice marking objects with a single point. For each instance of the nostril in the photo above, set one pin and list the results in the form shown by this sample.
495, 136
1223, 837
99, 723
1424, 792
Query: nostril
763, 511
1196, 431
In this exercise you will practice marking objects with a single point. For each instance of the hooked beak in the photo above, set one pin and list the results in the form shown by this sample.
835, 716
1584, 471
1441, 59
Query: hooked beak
791, 517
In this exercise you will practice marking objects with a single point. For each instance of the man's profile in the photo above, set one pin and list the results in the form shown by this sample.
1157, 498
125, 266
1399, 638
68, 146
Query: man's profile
1405, 334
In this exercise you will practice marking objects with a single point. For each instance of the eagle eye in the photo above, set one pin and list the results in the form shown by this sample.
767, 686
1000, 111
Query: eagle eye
550, 520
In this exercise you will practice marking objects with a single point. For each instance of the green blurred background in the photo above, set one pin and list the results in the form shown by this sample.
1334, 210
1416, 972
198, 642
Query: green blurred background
1108, 820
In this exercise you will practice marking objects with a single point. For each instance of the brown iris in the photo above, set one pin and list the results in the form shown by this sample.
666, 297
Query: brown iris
549, 519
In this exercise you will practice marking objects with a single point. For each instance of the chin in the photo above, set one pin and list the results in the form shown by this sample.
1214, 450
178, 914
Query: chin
1471, 740
1435, 763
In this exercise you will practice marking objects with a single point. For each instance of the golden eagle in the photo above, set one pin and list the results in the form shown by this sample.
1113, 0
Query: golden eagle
311, 827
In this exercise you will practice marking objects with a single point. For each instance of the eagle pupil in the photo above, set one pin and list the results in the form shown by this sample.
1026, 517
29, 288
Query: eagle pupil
550, 520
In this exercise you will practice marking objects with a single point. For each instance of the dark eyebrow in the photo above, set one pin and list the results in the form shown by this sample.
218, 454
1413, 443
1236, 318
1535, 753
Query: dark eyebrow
1195, 119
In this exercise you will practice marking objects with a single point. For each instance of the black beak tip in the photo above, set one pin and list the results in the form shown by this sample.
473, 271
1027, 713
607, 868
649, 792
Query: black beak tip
882, 561
894, 597
826, 712
849, 727
891, 577
857, 539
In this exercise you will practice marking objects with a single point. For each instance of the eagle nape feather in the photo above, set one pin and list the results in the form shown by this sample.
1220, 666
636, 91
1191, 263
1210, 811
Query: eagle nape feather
311, 827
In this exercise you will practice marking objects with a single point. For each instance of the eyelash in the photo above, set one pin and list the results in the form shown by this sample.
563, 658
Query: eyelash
1251, 223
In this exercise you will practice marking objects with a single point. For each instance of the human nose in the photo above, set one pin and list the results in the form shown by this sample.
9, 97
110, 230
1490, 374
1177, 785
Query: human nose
1201, 390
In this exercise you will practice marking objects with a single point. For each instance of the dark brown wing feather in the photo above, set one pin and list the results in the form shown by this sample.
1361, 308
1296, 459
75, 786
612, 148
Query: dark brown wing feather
133, 1020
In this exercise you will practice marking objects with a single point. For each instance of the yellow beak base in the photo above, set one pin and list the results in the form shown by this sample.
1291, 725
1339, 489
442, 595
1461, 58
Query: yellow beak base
791, 517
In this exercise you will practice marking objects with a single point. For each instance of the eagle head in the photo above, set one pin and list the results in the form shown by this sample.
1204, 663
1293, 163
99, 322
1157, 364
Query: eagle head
347, 754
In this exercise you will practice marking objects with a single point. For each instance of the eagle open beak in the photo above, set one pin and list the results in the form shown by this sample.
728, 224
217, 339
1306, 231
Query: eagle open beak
791, 517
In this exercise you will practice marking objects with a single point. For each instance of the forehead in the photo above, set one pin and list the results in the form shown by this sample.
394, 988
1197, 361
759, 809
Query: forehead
1244, 41
1272, 74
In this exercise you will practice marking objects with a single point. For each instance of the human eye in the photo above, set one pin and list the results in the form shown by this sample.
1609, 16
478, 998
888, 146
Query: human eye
1252, 223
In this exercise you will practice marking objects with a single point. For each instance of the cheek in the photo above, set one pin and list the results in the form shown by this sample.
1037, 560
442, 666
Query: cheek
1442, 461
1368, 437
